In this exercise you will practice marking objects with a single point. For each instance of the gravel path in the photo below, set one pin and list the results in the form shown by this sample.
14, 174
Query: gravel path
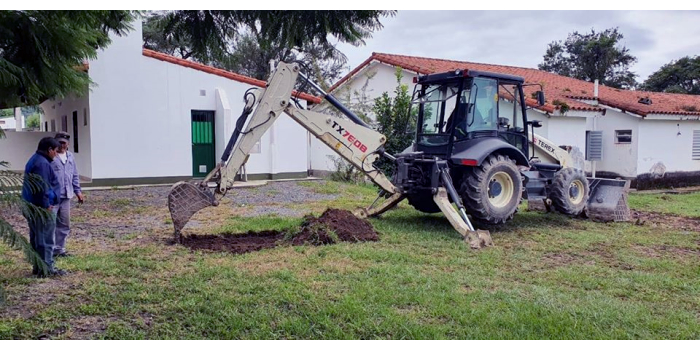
118, 212
271, 198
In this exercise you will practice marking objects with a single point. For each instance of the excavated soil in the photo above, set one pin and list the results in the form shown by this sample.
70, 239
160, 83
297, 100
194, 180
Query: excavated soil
237, 244
333, 226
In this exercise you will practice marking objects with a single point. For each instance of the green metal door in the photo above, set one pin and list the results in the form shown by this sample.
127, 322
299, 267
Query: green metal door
203, 149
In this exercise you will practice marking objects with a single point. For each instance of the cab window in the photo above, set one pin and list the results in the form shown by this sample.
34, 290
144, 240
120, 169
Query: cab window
483, 114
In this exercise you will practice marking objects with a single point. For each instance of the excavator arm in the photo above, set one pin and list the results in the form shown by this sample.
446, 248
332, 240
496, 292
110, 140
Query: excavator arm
560, 155
350, 138
357, 144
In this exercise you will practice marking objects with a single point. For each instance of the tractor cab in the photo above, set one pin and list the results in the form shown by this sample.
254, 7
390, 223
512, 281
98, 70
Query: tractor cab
459, 109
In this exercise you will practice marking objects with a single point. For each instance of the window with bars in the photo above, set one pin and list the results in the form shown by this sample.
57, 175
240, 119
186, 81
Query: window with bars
696, 144
623, 136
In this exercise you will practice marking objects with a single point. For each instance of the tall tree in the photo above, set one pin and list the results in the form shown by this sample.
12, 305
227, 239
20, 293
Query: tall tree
395, 120
246, 41
41, 52
681, 76
252, 59
592, 56
156, 38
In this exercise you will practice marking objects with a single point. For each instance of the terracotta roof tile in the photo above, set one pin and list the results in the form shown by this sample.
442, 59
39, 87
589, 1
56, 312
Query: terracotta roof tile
556, 87
220, 72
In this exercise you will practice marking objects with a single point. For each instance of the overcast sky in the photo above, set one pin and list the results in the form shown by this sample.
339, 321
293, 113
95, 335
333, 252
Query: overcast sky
520, 38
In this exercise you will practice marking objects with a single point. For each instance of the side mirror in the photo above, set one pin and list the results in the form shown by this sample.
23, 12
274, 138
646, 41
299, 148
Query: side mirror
539, 95
535, 123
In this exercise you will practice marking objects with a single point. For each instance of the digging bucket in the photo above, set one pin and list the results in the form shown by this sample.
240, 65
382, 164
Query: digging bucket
184, 200
608, 200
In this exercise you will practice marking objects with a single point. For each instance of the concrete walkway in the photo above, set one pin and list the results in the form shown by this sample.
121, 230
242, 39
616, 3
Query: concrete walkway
670, 190
237, 184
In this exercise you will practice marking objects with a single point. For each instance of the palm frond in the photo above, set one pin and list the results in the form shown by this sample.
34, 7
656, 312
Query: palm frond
11, 182
10, 189
16, 241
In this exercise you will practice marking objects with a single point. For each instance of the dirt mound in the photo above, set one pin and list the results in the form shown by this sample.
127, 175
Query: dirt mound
333, 226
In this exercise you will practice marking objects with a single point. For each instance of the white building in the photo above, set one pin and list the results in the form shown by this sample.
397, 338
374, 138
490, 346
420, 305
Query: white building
8, 123
637, 136
155, 118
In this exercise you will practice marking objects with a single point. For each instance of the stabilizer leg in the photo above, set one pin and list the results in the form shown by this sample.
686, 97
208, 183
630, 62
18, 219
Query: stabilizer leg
476, 238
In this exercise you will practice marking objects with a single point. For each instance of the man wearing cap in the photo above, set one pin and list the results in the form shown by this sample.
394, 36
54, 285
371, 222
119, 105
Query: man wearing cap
67, 173
39, 188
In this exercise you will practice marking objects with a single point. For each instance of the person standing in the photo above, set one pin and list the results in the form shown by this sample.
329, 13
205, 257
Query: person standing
39, 188
69, 181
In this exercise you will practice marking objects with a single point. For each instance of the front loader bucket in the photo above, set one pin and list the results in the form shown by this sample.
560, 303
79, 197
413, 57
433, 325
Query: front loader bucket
608, 200
184, 200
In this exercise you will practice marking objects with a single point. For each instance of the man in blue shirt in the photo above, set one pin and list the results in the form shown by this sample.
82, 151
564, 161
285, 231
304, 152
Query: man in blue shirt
39, 188
69, 180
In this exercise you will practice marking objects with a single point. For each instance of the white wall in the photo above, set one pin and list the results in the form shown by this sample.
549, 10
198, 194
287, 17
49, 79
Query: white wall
142, 116
378, 78
18, 147
7, 123
617, 158
569, 131
659, 142
55, 110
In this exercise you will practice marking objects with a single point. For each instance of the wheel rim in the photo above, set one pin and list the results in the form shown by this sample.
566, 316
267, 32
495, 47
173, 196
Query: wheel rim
576, 191
501, 189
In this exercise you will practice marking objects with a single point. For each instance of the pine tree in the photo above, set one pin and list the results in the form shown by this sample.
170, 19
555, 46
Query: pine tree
42, 52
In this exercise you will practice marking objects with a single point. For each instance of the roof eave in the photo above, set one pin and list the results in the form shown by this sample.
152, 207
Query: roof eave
220, 72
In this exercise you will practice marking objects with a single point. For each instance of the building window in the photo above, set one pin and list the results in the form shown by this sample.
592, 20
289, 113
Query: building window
53, 125
623, 136
84, 116
64, 123
46, 126
696, 144
75, 131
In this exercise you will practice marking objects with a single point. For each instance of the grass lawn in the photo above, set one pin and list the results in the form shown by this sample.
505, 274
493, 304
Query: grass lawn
677, 204
548, 277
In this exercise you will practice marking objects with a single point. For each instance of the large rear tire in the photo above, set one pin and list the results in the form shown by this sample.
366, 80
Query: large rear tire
569, 192
423, 202
492, 192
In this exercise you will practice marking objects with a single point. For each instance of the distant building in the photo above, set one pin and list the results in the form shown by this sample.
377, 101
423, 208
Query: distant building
641, 130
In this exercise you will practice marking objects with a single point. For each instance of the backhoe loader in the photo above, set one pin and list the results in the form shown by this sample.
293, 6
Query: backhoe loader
467, 161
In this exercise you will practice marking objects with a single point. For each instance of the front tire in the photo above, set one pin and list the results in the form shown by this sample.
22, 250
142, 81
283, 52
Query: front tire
492, 191
569, 192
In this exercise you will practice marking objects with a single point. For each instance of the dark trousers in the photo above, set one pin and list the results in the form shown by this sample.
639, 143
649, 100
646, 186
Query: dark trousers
41, 236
